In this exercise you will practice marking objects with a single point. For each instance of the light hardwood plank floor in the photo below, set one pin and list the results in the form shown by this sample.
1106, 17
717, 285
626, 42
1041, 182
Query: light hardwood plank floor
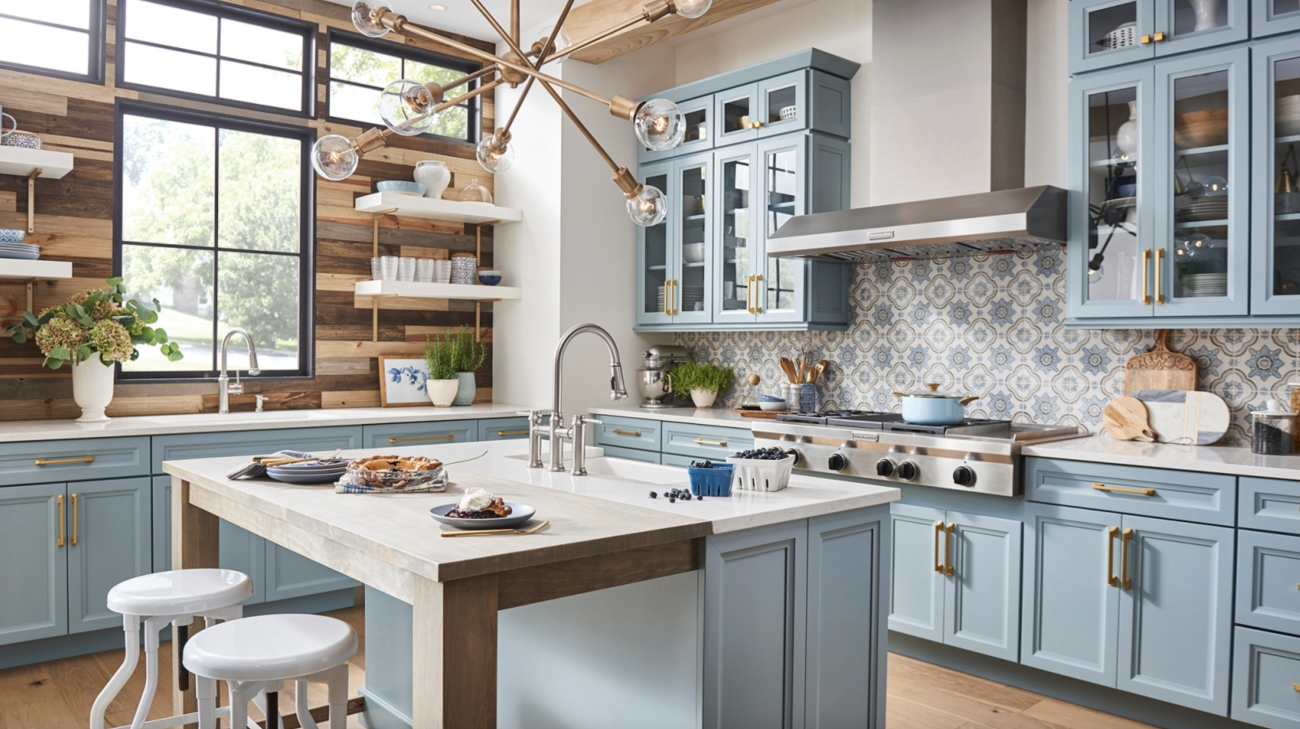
58, 695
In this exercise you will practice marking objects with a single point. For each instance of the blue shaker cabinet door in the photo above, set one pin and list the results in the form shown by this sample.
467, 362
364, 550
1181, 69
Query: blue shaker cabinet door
108, 542
1176, 613
1268, 574
982, 596
754, 627
1264, 670
239, 548
289, 574
33, 563
1071, 596
916, 590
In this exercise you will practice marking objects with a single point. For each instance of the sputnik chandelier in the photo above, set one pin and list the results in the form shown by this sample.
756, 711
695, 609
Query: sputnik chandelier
409, 107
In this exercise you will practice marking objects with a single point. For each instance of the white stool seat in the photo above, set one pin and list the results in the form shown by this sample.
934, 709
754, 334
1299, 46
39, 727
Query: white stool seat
270, 647
180, 592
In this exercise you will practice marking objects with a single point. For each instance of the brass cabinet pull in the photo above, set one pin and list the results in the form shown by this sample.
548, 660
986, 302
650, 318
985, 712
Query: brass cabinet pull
422, 439
749, 294
1160, 291
57, 461
76, 520
1146, 265
938, 529
1125, 582
59, 500
1122, 490
720, 443
1159, 37
668, 297
1146, 39
1111, 535
758, 302
947, 548
1295, 687
511, 432
635, 433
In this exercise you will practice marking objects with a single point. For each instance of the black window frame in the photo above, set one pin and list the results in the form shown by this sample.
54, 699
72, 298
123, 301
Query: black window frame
474, 123
306, 135
309, 32
98, 32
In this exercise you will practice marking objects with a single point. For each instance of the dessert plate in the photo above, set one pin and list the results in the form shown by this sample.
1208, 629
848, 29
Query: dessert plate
519, 513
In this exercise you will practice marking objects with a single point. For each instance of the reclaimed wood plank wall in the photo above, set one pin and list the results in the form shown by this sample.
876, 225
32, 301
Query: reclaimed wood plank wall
74, 222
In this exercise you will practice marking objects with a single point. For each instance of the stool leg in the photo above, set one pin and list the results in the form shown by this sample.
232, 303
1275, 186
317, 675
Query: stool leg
152, 627
272, 710
238, 706
205, 692
130, 626
338, 697
303, 708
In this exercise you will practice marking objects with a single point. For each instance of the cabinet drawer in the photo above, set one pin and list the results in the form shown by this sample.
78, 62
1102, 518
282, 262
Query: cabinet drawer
406, 435
1200, 497
503, 429
252, 443
1265, 670
678, 461
628, 433
1268, 581
630, 454
73, 460
1268, 504
688, 439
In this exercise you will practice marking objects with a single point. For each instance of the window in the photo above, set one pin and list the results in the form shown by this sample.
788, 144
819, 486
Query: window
360, 68
214, 218
63, 38
204, 50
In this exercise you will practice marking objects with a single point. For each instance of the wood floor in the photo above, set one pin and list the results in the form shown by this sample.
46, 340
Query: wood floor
58, 695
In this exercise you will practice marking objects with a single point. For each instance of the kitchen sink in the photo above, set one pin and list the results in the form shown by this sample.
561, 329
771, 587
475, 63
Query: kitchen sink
619, 468
277, 416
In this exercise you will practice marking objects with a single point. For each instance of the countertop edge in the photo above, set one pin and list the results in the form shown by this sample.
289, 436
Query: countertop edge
1224, 460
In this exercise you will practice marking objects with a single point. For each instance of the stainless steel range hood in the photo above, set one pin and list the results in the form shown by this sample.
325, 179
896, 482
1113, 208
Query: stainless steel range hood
954, 226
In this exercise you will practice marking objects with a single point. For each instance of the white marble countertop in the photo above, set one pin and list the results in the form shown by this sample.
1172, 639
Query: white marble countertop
721, 417
31, 430
1230, 460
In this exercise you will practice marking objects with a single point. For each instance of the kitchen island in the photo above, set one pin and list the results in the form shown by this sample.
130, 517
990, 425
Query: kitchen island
786, 588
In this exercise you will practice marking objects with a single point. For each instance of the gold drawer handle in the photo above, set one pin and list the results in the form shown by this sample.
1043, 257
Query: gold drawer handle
1111, 535
720, 443
938, 529
59, 500
635, 433
947, 547
1125, 582
57, 461
422, 439
76, 520
511, 432
1122, 490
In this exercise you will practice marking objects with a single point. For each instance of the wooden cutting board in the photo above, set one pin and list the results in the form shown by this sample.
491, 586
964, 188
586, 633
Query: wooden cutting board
1125, 418
1160, 369
1186, 418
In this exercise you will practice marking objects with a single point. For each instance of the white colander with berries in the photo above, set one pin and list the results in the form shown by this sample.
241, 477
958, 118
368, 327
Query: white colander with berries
763, 469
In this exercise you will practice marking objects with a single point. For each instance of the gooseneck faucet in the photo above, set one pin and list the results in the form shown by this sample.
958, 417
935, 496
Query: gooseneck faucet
574, 433
224, 388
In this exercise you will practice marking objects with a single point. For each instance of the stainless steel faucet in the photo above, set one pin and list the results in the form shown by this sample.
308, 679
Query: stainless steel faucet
224, 388
575, 433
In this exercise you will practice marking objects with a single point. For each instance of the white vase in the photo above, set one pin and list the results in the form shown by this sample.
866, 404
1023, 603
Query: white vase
435, 177
703, 398
1126, 137
1207, 12
92, 389
442, 392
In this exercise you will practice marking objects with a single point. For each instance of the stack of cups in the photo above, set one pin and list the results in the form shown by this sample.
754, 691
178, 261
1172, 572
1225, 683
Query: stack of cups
406, 269
375, 269
442, 271
424, 270
388, 268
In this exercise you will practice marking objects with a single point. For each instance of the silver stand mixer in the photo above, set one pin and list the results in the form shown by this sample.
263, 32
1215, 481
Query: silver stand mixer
655, 379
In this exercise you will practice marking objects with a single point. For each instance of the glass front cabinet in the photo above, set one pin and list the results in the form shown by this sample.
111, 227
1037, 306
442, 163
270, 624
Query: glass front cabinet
1107, 33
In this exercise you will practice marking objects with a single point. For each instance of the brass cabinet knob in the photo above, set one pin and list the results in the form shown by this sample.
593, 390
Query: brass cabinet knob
1159, 37
1146, 39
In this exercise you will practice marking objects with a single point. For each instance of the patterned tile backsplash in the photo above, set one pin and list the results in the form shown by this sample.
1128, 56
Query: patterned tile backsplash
994, 326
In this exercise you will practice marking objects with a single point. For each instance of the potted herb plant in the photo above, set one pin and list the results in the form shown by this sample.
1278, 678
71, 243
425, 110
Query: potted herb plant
94, 330
467, 357
703, 380
439, 361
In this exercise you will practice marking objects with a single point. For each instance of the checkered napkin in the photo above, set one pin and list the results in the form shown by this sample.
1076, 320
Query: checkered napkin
348, 485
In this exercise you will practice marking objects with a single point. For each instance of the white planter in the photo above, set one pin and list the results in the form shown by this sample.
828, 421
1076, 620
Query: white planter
435, 177
442, 392
703, 398
92, 389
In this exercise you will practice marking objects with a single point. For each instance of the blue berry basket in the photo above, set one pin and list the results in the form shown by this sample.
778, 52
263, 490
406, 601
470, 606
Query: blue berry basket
714, 481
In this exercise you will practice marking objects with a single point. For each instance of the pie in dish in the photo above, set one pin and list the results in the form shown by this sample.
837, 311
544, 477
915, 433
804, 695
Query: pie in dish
479, 503
393, 472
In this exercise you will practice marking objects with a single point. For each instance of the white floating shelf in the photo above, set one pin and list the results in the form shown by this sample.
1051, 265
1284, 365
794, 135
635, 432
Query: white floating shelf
22, 162
416, 290
455, 211
14, 269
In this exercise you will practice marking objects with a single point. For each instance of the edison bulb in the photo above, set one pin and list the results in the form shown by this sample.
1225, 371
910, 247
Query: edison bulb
647, 207
494, 158
406, 106
364, 17
659, 124
692, 8
334, 157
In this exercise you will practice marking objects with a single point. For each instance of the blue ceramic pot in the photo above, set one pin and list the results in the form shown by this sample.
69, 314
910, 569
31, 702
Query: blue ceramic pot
468, 388
931, 407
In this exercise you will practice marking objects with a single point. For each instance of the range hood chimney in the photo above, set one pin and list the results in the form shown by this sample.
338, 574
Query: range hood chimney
947, 142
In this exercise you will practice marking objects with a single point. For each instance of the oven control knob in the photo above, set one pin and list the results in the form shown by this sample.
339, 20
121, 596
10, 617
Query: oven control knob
798, 457
964, 476
837, 462
908, 471
884, 468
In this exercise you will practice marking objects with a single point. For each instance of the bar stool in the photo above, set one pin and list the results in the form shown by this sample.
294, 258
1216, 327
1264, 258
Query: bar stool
258, 655
175, 597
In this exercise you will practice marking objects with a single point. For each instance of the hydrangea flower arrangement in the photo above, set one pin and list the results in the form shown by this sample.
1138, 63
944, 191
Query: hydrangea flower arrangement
95, 322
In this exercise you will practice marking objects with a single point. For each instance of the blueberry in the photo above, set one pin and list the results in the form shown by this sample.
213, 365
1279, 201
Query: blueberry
672, 500
686, 497
653, 495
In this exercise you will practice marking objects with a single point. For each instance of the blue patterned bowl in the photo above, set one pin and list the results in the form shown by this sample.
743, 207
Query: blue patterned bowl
12, 235
406, 187
489, 278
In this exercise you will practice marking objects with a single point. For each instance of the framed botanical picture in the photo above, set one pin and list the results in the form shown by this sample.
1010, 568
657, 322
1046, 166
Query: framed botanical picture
401, 382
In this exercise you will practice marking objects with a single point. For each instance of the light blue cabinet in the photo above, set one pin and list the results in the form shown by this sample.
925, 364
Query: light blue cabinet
1275, 213
400, 435
667, 442
1270, 17
1265, 667
109, 530
657, 252
916, 587
239, 549
689, 298
1268, 575
1106, 33
33, 563
503, 429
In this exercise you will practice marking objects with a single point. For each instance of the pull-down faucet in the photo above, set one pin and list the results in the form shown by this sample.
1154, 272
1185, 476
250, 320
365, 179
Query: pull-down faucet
224, 388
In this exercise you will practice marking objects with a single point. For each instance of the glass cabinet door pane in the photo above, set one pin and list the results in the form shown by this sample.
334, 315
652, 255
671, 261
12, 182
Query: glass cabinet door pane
688, 290
784, 200
782, 103
736, 235
1197, 16
1286, 174
1117, 266
1284, 7
697, 124
1109, 33
1200, 250
656, 258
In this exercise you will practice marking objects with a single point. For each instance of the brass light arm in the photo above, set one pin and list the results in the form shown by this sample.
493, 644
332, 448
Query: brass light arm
649, 14
541, 59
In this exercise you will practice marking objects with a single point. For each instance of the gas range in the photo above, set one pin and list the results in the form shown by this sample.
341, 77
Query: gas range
975, 455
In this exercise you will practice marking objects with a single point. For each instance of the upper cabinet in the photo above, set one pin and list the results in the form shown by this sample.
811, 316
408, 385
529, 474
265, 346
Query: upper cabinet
1270, 17
763, 145
1106, 33
1276, 208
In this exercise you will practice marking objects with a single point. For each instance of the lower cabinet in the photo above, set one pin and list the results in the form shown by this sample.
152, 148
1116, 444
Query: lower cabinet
397, 435
956, 579
668, 442
1265, 670
34, 562
1135, 603
108, 542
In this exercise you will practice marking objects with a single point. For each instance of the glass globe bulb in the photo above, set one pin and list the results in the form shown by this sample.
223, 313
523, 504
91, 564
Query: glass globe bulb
1095, 275
659, 124
647, 207
334, 157
494, 158
406, 106
363, 17
692, 8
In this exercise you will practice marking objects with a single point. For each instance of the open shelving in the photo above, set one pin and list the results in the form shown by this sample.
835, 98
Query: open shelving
33, 271
34, 163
